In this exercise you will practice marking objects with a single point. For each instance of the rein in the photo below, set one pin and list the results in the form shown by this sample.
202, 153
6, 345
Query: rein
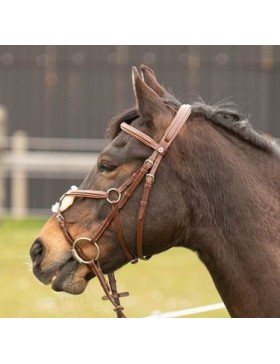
118, 197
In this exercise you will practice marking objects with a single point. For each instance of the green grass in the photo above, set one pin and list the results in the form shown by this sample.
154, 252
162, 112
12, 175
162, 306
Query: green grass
173, 280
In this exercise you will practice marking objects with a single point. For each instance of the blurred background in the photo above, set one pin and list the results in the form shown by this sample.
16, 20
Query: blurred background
57, 100
55, 103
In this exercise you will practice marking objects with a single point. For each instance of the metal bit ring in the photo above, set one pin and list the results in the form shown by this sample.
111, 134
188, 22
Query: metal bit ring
76, 256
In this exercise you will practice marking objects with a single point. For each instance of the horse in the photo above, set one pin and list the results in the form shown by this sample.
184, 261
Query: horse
216, 192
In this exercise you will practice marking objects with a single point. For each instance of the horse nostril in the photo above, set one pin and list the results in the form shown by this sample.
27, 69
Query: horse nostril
37, 251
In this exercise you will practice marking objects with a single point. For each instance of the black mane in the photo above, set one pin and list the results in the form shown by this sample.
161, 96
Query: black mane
223, 114
227, 116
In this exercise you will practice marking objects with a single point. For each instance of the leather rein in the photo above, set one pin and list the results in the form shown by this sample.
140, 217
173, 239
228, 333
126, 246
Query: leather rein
118, 197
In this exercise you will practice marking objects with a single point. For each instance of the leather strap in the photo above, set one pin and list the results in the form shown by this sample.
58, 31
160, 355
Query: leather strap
178, 122
119, 231
109, 289
141, 215
95, 267
87, 193
170, 134
142, 137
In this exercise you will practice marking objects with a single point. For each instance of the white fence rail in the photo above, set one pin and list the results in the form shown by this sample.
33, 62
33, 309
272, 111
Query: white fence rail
188, 311
21, 165
23, 157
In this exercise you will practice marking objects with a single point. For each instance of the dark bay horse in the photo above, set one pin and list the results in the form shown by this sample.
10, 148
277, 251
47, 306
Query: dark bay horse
216, 192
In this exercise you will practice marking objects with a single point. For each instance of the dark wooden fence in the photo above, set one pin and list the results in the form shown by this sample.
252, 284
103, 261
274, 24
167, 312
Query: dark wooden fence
72, 91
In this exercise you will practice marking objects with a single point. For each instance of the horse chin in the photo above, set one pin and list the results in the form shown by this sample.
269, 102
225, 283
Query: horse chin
68, 279
70, 285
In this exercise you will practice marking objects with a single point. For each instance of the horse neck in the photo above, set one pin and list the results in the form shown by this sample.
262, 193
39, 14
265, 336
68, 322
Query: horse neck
235, 219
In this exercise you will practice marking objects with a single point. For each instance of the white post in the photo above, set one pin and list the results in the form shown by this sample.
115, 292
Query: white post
3, 129
19, 145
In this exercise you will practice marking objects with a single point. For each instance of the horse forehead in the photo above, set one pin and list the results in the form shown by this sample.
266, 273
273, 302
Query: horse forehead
123, 145
116, 144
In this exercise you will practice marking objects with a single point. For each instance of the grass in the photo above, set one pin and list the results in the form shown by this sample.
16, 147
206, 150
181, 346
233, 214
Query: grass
174, 280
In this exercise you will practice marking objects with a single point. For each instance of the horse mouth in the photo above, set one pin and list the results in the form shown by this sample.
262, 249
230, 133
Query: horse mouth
67, 276
69, 279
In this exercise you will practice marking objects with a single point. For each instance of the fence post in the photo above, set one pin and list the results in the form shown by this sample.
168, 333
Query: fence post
3, 130
19, 144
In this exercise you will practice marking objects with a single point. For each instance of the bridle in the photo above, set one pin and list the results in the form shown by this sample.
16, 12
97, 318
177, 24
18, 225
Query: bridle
122, 195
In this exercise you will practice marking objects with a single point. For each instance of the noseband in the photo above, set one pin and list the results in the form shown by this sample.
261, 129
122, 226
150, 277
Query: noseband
117, 198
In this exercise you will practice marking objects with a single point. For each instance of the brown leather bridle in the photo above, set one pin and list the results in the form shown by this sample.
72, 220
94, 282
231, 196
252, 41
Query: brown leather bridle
122, 195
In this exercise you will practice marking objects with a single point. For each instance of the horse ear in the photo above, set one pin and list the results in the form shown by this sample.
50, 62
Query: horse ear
150, 79
149, 104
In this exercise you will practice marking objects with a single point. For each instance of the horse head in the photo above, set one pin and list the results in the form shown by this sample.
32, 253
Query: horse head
122, 158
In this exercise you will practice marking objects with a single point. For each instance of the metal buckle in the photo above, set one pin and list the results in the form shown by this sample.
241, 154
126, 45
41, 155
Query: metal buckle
152, 176
150, 162
59, 217
76, 256
113, 201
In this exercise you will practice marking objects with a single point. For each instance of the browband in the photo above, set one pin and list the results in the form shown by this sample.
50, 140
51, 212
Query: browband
171, 132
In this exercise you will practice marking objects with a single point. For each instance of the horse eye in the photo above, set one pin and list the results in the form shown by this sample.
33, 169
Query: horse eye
106, 167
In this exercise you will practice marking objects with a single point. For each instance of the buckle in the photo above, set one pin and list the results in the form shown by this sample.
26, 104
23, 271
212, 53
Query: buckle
118, 308
149, 175
59, 217
150, 162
